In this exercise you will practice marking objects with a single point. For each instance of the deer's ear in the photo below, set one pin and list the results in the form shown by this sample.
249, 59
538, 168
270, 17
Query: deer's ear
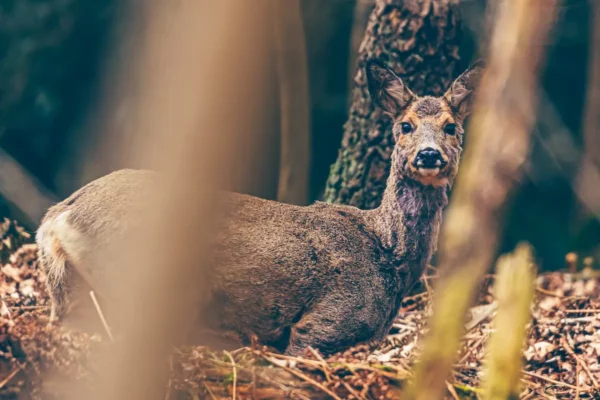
460, 93
387, 90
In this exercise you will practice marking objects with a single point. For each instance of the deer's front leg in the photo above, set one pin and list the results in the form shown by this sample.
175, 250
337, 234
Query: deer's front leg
334, 326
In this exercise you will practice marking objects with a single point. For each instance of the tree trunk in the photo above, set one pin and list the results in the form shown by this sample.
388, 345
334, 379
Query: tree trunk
419, 40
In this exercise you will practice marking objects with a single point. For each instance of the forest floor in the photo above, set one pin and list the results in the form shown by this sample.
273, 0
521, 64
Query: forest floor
561, 358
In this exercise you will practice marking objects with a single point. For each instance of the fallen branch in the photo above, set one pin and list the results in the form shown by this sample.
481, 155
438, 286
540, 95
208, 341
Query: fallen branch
304, 378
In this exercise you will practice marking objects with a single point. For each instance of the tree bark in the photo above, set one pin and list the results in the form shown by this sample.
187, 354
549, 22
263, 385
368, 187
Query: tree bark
419, 40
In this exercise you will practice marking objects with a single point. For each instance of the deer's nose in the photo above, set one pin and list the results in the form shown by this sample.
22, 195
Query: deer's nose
429, 158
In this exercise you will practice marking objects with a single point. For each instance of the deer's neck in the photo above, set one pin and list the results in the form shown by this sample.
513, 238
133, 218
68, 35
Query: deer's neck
409, 217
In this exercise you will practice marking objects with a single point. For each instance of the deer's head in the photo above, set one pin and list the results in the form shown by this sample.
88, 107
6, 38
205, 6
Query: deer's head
428, 130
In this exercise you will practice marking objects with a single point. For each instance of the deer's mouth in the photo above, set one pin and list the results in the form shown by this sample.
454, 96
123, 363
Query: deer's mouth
430, 175
428, 171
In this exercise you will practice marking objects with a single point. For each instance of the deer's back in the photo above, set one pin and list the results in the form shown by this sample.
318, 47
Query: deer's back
106, 206
94, 221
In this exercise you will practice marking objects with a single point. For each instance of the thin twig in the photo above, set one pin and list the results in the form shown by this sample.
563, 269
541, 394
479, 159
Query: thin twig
576, 320
429, 291
547, 396
296, 359
324, 368
253, 382
401, 326
452, 391
472, 348
252, 372
531, 385
431, 267
545, 378
359, 367
352, 391
548, 292
228, 354
400, 372
9, 377
303, 377
577, 370
212, 395
27, 308
529, 395
415, 297
316, 354
579, 360
101, 315
462, 376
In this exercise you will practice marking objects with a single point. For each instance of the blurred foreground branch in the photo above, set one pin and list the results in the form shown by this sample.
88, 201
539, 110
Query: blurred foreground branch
191, 105
498, 146
514, 291
589, 176
292, 71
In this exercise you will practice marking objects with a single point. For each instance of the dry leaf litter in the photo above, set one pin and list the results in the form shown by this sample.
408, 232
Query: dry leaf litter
561, 356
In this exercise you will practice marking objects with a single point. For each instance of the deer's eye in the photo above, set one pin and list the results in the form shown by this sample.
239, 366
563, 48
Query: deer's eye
406, 127
450, 129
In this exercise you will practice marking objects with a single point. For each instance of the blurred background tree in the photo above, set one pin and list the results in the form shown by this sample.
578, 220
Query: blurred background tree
52, 56
61, 96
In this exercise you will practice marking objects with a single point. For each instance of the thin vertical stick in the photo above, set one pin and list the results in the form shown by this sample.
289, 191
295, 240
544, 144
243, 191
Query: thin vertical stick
228, 354
499, 135
514, 291
101, 315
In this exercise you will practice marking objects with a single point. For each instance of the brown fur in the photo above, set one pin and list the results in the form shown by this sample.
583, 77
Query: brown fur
325, 276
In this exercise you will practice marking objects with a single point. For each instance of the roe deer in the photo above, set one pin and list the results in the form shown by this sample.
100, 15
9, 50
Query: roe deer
326, 276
